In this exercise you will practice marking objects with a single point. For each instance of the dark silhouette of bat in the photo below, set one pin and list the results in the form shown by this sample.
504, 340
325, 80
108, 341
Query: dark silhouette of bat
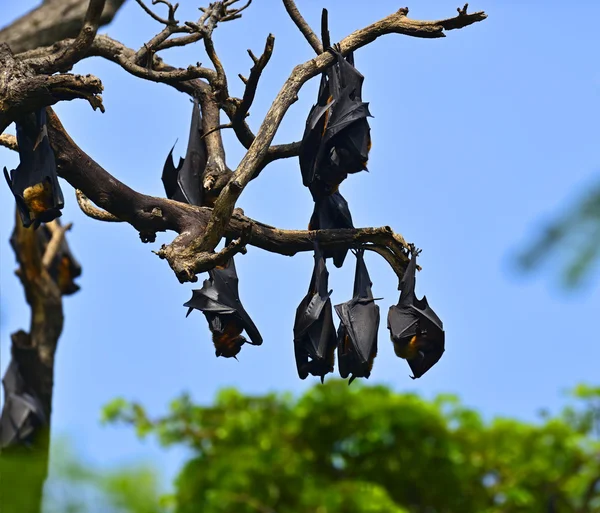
219, 300
22, 414
314, 332
416, 331
34, 183
359, 322
184, 182
336, 142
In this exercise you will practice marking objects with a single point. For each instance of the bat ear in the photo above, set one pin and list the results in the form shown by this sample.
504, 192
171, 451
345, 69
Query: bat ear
217, 353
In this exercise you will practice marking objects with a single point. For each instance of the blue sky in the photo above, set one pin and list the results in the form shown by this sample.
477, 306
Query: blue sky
478, 138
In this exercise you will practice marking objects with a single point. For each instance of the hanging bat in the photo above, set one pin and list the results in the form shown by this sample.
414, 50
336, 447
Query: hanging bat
22, 414
359, 322
314, 332
64, 268
34, 183
416, 331
219, 300
184, 182
337, 138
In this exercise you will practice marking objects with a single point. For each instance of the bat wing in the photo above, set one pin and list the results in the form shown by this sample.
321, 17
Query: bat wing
226, 286
430, 355
407, 284
347, 363
313, 133
314, 332
12, 381
360, 315
21, 416
190, 175
332, 212
314, 348
34, 182
350, 77
169, 177
206, 300
311, 306
402, 322
22, 412
422, 306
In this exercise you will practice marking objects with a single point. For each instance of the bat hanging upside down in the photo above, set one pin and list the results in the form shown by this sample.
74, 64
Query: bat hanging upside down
34, 183
219, 300
359, 323
314, 333
415, 330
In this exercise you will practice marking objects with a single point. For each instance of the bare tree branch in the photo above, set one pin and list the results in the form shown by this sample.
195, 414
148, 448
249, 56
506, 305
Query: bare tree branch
150, 215
90, 210
65, 60
52, 21
58, 234
303, 26
192, 251
22, 90
252, 82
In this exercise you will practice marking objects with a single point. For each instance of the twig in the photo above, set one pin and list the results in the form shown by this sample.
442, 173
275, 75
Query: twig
58, 235
171, 16
90, 210
252, 81
77, 50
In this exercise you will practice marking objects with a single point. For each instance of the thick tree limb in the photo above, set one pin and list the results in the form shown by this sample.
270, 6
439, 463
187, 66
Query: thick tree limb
22, 90
64, 60
52, 21
9, 141
150, 215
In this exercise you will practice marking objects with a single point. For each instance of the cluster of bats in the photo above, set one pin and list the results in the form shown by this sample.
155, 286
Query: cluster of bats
336, 143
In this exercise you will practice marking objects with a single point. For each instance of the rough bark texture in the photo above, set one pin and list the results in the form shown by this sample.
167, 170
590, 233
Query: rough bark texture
52, 21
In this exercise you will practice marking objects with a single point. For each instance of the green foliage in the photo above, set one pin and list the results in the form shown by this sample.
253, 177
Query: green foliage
77, 487
364, 449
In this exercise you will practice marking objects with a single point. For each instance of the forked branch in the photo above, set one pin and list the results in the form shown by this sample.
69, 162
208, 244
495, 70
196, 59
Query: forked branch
149, 215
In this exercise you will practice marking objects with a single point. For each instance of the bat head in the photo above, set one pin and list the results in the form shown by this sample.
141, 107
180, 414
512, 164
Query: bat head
229, 348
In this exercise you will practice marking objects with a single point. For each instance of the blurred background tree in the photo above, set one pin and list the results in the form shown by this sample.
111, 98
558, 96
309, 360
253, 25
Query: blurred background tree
574, 238
340, 449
